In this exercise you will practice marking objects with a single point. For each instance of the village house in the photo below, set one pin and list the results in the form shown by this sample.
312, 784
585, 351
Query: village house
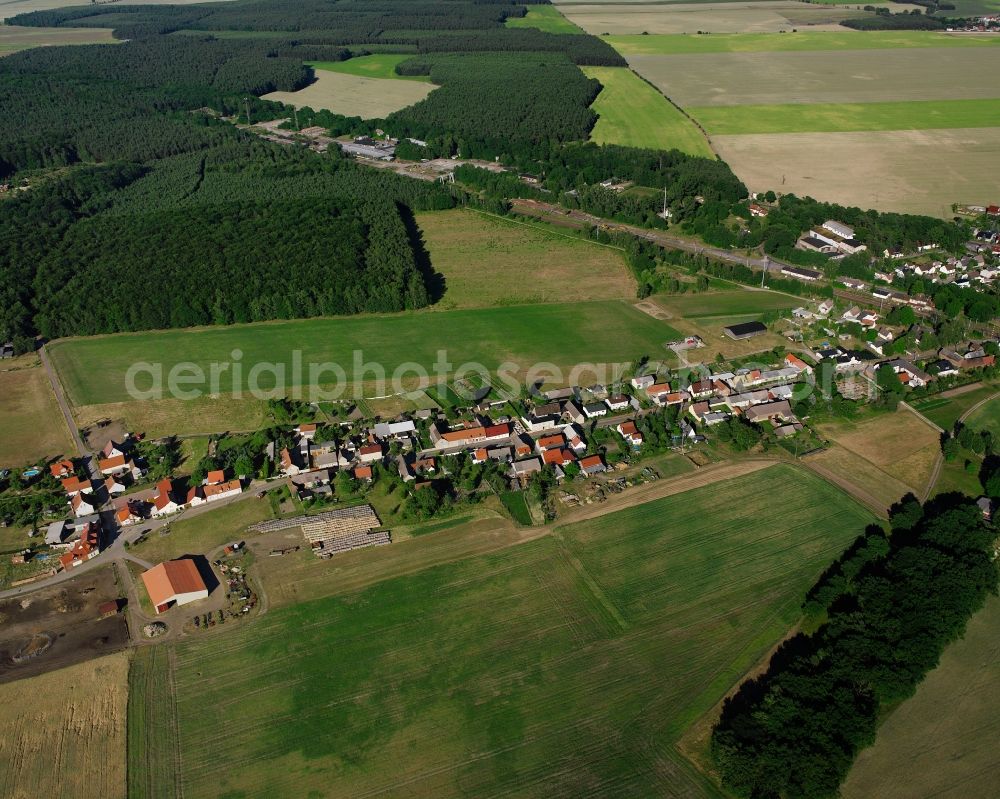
289, 462
61, 469
630, 433
364, 474
73, 485
114, 485
164, 502
909, 374
642, 382
619, 402
306, 430
524, 468
129, 514
657, 392
115, 465
592, 410
84, 549
217, 491
795, 362
370, 453
701, 389
592, 465
769, 410
81, 505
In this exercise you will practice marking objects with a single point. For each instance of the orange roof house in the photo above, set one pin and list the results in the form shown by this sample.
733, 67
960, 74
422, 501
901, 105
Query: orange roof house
61, 468
363, 473
174, 582
215, 477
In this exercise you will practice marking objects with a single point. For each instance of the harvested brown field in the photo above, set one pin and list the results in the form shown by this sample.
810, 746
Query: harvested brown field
58, 626
16, 37
178, 417
911, 171
33, 428
352, 95
738, 17
941, 742
487, 260
823, 76
64, 732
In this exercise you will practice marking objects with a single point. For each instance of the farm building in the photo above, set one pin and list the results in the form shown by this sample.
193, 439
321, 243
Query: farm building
744, 330
174, 582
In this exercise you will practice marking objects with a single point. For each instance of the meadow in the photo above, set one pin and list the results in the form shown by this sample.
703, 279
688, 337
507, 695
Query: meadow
603, 642
811, 41
545, 18
377, 65
564, 334
823, 117
64, 732
32, 425
488, 260
353, 95
942, 741
634, 114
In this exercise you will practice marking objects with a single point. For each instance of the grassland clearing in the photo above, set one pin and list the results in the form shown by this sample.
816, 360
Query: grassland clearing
842, 39
739, 302
488, 260
17, 37
679, 18
899, 444
942, 741
634, 114
830, 76
804, 118
64, 732
377, 65
33, 427
603, 642
545, 18
563, 334
885, 170
353, 95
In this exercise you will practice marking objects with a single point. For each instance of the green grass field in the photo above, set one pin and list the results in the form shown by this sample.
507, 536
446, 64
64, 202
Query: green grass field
681, 44
634, 114
545, 18
561, 334
945, 411
562, 667
986, 417
835, 117
151, 726
726, 303
517, 505
382, 65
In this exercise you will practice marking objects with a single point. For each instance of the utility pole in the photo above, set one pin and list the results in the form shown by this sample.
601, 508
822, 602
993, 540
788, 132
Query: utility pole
246, 100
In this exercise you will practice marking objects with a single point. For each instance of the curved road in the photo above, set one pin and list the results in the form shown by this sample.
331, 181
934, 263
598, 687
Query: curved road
940, 458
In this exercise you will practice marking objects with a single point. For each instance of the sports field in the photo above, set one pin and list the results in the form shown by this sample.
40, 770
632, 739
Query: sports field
727, 17
602, 643
32, 426
378, 65
842, 39
738, 302
560, 334
16, 37
64, 732
821, 117
634, 114
353, 95
545, 18
488, 260
942, 741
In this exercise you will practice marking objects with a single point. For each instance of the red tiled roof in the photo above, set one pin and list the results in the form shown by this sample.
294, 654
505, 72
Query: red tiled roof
363, 473
216, 476
592, 460
170, 578
60, 468
111, 463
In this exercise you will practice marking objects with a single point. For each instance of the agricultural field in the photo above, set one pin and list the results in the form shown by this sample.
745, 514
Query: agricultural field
769, 16
377, 65
151, 725
605, 640
353, 95
884, 454
64, 732
487, 260
633, 113
820, 117
545, 18
33, 427
942, 741
565, 335
10, 8
16, 37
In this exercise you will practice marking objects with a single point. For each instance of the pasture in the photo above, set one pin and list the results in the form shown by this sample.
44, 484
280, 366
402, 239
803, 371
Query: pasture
488, 260
545, 18
886, 170
366, 347
822, 117
377, 65
634, 114
841, 39
726, 17
33, 427
64, 732
353, 95
942, 741
603, 642
888, 454
16, 37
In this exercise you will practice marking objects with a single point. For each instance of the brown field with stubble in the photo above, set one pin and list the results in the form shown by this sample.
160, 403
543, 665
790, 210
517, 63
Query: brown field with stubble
177, 417
738, 17
351, 95
64, 732
17, 37
886, 170
942, 741
33, 428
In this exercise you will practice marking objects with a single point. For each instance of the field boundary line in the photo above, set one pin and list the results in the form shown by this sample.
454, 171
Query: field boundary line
920, 416
593, 587
854, 492
685, 114
545, 230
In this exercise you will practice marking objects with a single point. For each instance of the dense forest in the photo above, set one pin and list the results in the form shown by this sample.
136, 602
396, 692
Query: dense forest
891, 604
